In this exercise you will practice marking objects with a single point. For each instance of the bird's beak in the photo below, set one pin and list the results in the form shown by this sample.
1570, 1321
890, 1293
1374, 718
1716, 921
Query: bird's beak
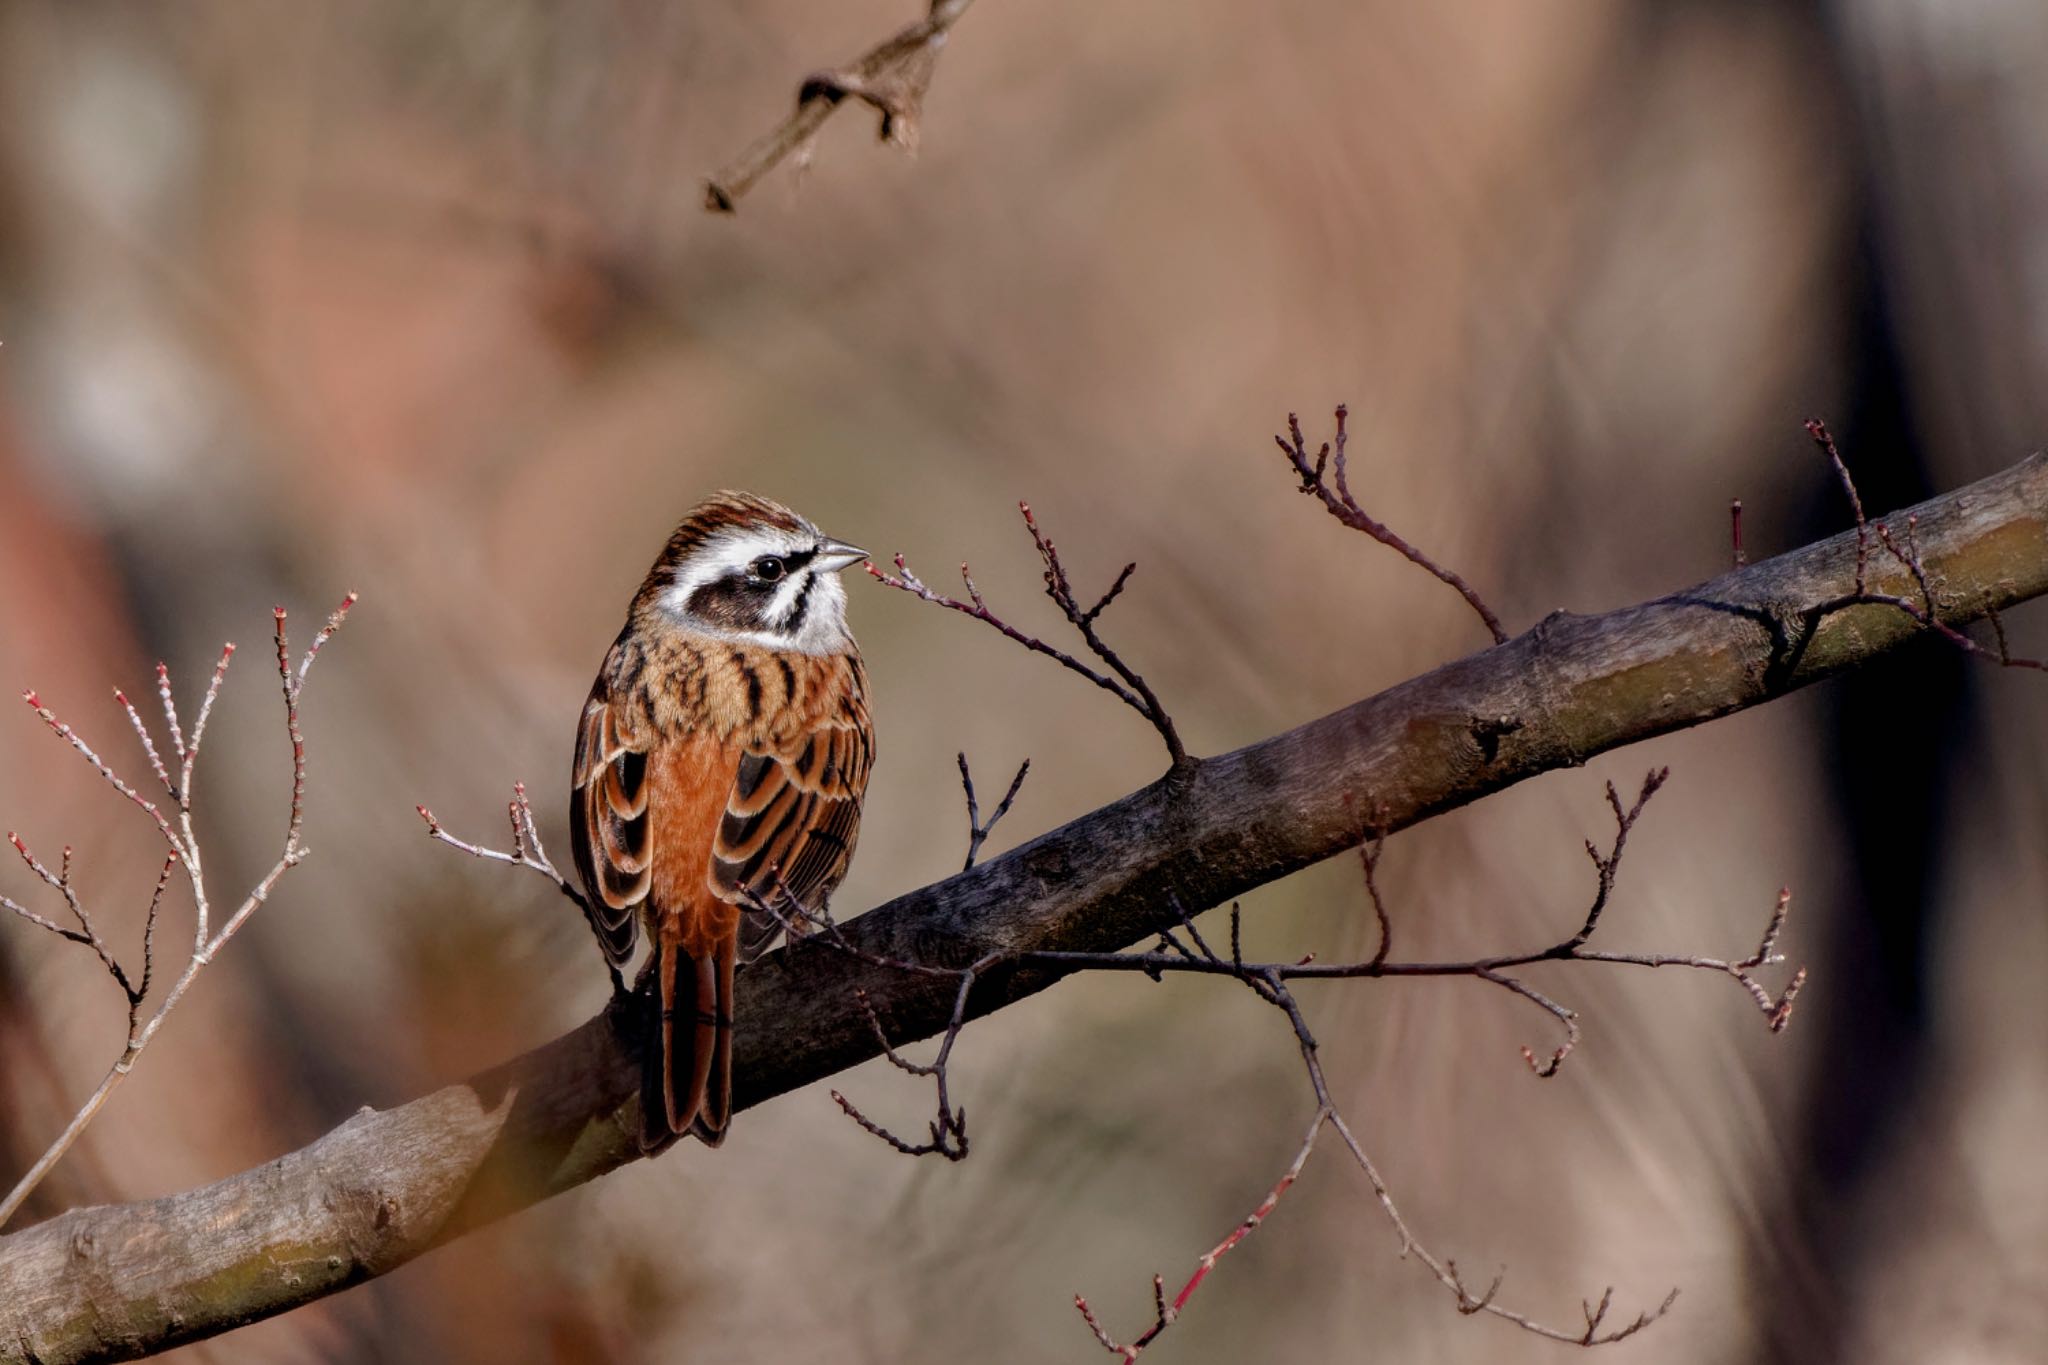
835, 555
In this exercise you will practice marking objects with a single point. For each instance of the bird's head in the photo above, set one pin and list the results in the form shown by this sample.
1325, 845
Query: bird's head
746, 569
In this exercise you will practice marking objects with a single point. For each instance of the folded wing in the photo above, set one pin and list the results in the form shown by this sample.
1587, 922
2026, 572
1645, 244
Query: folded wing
790, 826
608, 818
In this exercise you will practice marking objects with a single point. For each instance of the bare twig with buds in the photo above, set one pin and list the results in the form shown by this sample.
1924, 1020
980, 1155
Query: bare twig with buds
978, 830
1926, 611
949, 1129
528, 852
1126, 685
174, 823
1324, 474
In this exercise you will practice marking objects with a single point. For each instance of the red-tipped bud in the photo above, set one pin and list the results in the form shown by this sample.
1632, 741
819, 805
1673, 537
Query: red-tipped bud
28, 694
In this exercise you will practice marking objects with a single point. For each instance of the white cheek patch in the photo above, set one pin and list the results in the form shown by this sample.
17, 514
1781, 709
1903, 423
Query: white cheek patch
823, 628
824, 625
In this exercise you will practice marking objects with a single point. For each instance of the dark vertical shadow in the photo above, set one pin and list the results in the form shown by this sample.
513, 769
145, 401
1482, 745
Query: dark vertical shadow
1894, 735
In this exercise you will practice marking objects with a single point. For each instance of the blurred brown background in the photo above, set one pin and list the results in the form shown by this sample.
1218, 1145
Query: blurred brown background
417, 298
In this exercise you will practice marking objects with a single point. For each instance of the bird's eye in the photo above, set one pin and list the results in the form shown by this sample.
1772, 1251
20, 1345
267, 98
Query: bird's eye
768, 568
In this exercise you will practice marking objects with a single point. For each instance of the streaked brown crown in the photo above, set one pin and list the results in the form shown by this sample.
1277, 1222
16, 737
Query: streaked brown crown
729, 509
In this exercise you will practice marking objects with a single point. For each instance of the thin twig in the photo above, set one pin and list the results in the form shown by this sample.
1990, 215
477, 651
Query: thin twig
1165, 1313
1927, 611
99, 765
1127, 686
977, 832
184, 855
949, 1127
60, 882
1369, 862
527, 851
156, 762
1825, 439
1337, 500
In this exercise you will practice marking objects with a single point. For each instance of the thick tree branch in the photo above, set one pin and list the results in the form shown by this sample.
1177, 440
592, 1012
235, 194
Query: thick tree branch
119, 1281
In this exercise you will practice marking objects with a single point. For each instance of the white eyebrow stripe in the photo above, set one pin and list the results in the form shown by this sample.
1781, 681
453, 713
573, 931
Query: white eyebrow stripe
729, 553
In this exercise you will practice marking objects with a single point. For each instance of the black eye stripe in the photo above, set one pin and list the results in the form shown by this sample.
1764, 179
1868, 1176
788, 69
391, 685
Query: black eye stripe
801, 605
742, 598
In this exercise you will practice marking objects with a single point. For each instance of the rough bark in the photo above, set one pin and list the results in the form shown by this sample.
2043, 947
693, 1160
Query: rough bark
120, 1281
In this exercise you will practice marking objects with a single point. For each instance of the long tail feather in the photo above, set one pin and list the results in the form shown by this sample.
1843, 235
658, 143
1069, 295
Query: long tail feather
658, 1098
715, 1113
688, 1087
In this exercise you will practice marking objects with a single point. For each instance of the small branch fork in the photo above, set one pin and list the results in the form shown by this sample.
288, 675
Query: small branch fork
977, 831
1324, 474
891, 77
1126, 685
172, 816
1905, 551
528, 852
948, 1127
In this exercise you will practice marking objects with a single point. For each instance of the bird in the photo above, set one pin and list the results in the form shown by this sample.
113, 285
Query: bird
721, 762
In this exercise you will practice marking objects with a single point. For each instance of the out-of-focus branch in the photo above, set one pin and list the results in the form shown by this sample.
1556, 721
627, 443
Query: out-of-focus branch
121, 1281
185, 854
892, 77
